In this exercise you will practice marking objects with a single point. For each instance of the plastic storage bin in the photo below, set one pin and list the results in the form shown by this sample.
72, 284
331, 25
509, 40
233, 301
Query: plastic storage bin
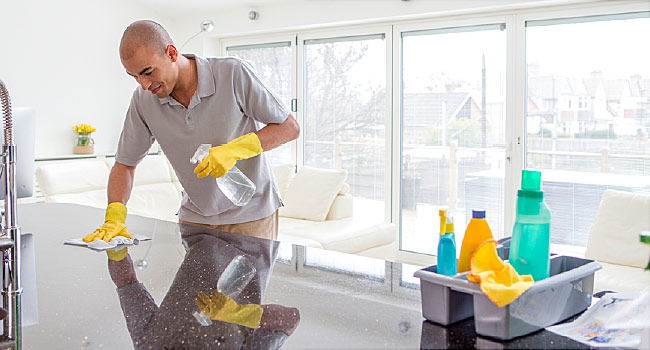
446, 306
565, 293
440, 303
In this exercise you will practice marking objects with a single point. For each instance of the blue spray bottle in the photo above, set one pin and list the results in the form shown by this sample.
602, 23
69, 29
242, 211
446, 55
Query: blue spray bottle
446, 247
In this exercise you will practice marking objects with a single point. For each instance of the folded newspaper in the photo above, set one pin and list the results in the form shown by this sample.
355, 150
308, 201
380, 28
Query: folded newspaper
616, 320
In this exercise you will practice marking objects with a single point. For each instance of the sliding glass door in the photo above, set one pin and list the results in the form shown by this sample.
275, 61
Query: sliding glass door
588, 114
344, 115
452, 130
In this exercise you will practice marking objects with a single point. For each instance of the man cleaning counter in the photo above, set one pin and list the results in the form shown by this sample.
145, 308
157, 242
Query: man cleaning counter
184, 101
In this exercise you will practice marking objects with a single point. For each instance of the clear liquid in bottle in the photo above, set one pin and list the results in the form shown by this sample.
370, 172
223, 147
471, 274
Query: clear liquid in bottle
235, 185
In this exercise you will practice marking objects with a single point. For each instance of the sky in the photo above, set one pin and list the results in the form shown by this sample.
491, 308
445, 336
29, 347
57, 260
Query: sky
453, 57
618, 48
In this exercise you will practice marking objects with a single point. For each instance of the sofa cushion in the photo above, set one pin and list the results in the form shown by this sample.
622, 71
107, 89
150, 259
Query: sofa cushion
614, 236
153, 168
341, 207
160, 201
347, 235
96, 198
293, 239
71, 177
621, 278
283, 175
345, 189
311, 193
178, 186
172, 172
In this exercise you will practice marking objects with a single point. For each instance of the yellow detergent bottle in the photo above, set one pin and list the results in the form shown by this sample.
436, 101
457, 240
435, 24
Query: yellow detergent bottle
476, 233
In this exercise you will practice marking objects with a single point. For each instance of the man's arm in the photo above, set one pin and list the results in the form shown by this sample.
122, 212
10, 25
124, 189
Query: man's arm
137, 304
275, 135
120, 183
122, 272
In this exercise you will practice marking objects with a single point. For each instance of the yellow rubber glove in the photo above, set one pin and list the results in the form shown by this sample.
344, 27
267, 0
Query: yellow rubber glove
222, 158
499, 280
113, 224
117, 255
222, 308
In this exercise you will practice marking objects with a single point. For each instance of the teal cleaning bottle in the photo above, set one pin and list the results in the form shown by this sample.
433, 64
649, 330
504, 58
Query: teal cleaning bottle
531, 238
447, 251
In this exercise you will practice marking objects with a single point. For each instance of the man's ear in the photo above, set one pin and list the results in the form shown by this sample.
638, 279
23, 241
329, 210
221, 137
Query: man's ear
171, 52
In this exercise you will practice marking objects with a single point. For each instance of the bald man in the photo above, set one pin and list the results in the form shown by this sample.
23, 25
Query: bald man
184, 101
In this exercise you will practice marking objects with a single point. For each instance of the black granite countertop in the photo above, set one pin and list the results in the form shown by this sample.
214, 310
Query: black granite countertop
147, 300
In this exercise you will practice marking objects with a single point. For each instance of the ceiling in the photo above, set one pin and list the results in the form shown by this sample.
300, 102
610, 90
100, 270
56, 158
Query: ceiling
175, 8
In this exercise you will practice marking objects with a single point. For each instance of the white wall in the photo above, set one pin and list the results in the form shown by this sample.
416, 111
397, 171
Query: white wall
61, 57
302, 15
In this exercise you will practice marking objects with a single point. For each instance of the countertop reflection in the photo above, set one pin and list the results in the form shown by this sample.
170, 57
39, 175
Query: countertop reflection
147, 300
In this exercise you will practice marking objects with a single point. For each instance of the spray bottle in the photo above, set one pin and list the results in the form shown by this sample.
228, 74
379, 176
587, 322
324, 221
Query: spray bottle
236, 186
531, 238
446, 246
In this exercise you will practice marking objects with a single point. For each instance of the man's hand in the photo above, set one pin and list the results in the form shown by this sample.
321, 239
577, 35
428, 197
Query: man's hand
222, 308
113, 224
222, 158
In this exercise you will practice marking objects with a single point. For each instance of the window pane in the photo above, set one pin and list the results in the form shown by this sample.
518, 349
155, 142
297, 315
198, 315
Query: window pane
453, 131
273, 66
588, 116
406, 275
344, 110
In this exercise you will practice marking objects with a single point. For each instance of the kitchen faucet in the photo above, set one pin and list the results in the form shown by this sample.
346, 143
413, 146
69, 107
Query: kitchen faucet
10, 237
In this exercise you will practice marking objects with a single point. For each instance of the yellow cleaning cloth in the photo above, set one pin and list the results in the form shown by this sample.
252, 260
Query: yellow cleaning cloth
222, 308
499, 280
222, 158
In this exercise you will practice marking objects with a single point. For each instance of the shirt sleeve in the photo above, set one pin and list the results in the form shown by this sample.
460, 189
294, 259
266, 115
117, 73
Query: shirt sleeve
136, 138
139, 308
255, 100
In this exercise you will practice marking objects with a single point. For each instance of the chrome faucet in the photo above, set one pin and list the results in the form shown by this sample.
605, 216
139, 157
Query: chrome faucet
10, 238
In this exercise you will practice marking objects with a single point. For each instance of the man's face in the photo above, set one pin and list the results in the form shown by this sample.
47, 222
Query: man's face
154, 72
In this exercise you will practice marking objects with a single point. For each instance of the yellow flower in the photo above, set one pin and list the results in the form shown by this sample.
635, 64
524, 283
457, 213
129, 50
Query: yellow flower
83, 129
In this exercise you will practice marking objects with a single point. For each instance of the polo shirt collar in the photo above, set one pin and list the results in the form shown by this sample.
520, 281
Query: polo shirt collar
206, 86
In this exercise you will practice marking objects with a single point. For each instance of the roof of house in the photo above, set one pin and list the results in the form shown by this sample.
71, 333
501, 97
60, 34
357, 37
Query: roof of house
426, 108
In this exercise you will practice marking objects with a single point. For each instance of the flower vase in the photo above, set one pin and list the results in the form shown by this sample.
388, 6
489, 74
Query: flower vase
85, 144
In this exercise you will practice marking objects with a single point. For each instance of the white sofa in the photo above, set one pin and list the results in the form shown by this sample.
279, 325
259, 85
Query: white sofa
328, 222
614, 242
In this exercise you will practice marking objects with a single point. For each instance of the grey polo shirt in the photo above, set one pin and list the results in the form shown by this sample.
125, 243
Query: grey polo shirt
230, 101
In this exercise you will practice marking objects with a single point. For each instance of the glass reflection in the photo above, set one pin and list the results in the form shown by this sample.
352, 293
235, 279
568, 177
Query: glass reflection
194, 312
